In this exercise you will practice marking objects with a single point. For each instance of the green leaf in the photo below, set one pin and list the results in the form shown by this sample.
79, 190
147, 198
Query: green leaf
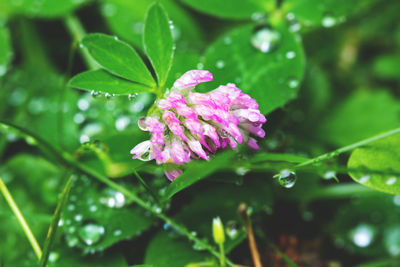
272, 78
327, 13
350, 121
381, 156
102, 81
166, 250
54, 224
5, 50
234, 9
126, 19
264, 156
198, 170
387, 66
96, 217
118, 57
41, 9
158, 42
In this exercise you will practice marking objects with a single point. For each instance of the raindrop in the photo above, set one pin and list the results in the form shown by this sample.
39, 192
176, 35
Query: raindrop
91, 233
220, 64
293, 24
329, 175
364, 178
108, 10
290, 54
83, 104
363, 235
79, 118
71, 207
258, 17
265, 39
200, 66
95, 94
132, 97
53, 256
166, 226
60, 222
232, 229
36, 106
72, 241
116, 38
30, 140
392, 241
396, 200
113, 199
84, 139
122, 122
241, 171
93, 208
117, 232
328, 21
80, 45
17, 97
108, 95
3, 70
138, 27
227, 40
287, 178
391, 180
78, 217
293, 83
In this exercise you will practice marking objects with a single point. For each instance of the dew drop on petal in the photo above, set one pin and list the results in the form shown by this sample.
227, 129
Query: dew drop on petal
265, 39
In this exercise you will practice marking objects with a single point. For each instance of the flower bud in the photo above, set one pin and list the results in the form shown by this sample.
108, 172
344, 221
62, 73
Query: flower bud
218, 231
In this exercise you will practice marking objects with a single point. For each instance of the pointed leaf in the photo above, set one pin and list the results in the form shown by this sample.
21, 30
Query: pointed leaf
102, 81
117, 57
158, 42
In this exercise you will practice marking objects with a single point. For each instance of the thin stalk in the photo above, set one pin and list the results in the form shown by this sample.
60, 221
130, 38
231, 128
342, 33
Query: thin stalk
222, 254
347, 148
21, 219
68, 160
146, 186
77, 32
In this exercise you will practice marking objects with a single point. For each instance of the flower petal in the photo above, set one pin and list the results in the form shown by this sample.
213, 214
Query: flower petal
191, 78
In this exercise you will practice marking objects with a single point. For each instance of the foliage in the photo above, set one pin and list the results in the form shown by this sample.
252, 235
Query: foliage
323, 188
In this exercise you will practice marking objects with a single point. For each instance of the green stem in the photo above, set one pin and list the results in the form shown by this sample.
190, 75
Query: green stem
146, 186
21, 219
77, 32
68, 160
221, 255
347, 148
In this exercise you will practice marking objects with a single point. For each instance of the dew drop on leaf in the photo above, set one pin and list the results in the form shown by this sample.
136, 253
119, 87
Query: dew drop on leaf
328, 21
265, 38
108, 10
91, 233
290, 54
363, 235
392, 240
293, 24
391, 180
365, 178
220, 64
132, 97
293, 82
287, 178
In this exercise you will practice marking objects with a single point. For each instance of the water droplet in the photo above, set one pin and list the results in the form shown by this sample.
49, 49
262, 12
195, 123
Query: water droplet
108, 95
220, 64
3, 70
290, 54
31, 141
200, 66
392, 240
241, 171
60, 222
132, 97
113, 199
17, 97
122, 122
258, 17
78, 217
80, 45
84, 139
363, 235
329, 175
53, 256
293, 83
95, 94
232, 229
36, 106
71, 207
72, 241
265, 39
364, 178
287, 178
117, 232
108, 10
328, 21
79, 118
293, 24
227, 40
166, 226
391, 180
138, 27
194, 233
116, 38
93, 208
83, 104
91, 233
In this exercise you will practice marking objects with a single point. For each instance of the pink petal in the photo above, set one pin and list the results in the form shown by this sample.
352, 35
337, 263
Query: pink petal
196, 147
172, 174
252, 143
191, 78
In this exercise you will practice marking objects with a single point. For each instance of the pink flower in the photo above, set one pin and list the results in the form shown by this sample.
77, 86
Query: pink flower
192, 125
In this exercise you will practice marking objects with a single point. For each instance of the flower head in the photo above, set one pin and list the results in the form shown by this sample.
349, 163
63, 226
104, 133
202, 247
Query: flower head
188, 124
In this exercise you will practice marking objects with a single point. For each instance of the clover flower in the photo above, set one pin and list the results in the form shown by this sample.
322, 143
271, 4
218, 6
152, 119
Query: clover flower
188, 124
